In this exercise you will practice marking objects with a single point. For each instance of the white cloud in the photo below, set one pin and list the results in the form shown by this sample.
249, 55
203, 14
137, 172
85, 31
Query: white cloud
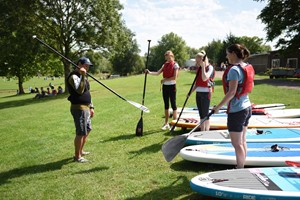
196, 21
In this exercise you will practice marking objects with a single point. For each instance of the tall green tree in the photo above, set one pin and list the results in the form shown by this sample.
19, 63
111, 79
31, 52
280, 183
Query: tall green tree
171, 42
17, 53
254, 44
213, 50
127, 60
282, 19
74, 27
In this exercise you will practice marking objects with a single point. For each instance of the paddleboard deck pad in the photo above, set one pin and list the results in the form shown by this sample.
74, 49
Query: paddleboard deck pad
272, 183
258, 154
276, 135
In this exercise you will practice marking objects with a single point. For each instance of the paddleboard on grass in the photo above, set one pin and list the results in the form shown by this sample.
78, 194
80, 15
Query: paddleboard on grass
274, 135
258, 154
265, 107
273, 183
255, 122
284, 113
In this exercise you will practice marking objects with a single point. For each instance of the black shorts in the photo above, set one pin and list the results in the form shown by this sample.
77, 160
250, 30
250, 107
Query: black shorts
203, 102
236, 121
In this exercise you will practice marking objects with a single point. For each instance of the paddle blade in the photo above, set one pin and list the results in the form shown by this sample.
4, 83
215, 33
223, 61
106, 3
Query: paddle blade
139, 128
172, 147
139, 106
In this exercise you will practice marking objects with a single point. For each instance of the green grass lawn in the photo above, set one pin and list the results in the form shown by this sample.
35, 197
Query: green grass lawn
37, 142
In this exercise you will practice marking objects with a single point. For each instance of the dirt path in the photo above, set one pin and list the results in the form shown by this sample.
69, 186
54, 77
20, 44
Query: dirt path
286, 83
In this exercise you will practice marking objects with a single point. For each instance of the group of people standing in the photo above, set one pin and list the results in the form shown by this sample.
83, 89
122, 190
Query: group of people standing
239, 105
82, 108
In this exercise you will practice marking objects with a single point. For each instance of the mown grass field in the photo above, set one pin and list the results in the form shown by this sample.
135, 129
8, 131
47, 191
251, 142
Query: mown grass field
37, 142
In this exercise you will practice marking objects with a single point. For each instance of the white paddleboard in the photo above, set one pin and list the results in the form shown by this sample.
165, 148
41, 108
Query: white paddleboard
270, 135
258, 154
266, 107
269, 183
255, 122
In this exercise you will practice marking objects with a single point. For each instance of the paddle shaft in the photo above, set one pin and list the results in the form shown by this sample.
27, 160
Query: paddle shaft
201, 122
139, 127
188, 95
173, 146
55, 51
145, 80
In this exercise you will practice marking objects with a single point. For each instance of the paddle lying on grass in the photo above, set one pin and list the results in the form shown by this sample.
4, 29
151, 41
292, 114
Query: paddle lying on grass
139, 126
172, 147
137, 105
188, 95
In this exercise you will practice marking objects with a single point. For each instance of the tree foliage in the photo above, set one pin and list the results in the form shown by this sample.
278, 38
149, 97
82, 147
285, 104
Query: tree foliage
17, 53
171, 42
75, 27
282, 20
216, 50
127, 60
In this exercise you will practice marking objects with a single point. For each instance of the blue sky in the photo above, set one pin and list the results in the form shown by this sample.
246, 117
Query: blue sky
197, 22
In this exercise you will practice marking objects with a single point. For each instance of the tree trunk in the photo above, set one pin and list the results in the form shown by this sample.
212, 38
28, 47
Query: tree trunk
20, 85
66, 72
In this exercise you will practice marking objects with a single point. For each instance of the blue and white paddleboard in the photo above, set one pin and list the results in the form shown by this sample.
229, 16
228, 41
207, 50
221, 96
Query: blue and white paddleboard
272, 183
271, 135
258, 154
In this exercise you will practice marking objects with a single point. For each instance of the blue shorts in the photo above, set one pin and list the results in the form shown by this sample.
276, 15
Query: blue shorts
82, 121
236, 121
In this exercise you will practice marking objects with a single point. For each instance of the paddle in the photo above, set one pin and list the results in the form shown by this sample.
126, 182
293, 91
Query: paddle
137, 105
172, 147
188, 95
139, 126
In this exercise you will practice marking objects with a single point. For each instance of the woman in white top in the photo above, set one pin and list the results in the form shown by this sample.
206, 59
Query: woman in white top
170, 72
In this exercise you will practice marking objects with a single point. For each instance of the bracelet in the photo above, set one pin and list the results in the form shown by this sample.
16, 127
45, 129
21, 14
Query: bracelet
91, 107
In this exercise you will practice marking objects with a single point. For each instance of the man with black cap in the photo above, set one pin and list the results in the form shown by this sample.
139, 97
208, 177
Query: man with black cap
82, 108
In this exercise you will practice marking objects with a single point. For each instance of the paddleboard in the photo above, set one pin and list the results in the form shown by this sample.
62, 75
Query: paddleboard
258, 154
271, 135
265, 107
255, 122
284, 113
272, 183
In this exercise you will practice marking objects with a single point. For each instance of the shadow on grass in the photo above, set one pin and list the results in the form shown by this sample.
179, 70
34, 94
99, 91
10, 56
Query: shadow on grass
154, 148
130, 136
35, 169
179, 187
24, 102
198, 167
96, 169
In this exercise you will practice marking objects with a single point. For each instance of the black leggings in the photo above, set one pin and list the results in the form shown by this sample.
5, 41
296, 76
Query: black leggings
169, 93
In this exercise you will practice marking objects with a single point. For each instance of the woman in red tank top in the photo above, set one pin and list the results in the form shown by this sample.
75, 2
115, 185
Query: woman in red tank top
170, 72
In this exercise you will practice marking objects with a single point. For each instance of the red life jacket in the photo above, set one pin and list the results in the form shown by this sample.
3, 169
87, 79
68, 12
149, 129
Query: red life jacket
168, 70
209, 82
246, 86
